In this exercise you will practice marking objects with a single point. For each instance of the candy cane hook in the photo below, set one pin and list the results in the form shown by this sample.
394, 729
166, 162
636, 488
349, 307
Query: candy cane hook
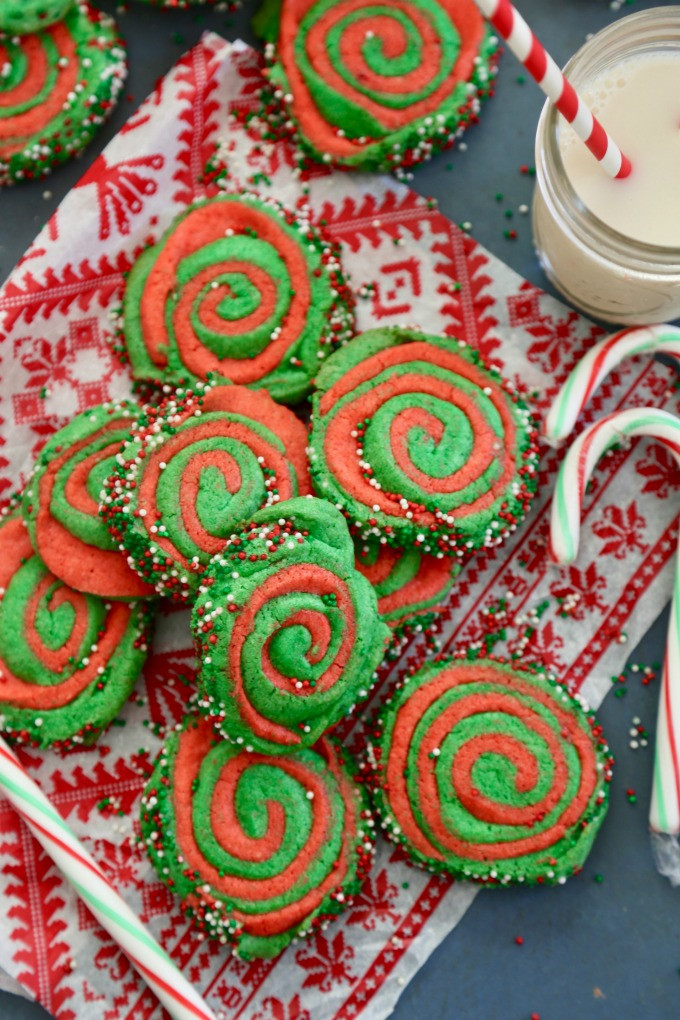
575, 472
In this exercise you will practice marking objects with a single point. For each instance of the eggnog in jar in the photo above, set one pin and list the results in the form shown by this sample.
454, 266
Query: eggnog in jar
612, 246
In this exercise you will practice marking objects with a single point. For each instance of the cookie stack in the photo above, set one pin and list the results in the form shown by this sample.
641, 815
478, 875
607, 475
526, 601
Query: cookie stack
302, 547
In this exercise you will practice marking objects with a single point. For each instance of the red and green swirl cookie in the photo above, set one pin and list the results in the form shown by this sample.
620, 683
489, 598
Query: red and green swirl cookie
411, 587
22, 17
193, 470
420, 442
261, 849
68, 661
57, 87
61, 504
242, 289
287, 631
490, 773
377, 85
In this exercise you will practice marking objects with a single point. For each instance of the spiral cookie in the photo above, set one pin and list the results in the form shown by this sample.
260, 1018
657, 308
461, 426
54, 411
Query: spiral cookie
411, 587
21, 17
193, 470
418, 441
261, 848
287, 630
61, 504
380, 84
242, 288
56, 87
490, 772
68, 661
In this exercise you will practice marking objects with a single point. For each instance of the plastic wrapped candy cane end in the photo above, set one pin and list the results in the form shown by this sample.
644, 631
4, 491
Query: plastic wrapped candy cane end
666, 851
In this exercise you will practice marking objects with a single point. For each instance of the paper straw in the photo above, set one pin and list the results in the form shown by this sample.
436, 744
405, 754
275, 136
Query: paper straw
599, 362
510, 24
575, 471
179, 997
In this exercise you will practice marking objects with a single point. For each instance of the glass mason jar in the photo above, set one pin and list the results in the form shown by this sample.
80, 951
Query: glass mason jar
605, 273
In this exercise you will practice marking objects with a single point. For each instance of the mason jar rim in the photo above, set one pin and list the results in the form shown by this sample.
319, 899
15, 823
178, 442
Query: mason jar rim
655, 29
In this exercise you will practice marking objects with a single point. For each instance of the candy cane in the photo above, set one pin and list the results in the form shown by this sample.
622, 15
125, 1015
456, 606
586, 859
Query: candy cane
510, 24
599, 361
180, 999
575, 471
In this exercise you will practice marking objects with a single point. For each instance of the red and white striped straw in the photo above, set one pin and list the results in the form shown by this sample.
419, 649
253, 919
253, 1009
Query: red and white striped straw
510, 24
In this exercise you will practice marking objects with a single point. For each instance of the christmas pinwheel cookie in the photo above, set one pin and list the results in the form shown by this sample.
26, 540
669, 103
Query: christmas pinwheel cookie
261, 849
287, 631
57, 86
23, 17
411, 587
375, 86
419, 442
68, 661
243, 289
193, 470
490, 772
61, 504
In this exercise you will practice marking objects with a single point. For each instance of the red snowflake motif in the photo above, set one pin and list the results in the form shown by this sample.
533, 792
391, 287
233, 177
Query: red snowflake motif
120, 863
268, 159
73, 373
327, 963
374, 903
524, 309
554, 341
275, 1009
587, 584
621, 529
44, 361
122, 189
661, 471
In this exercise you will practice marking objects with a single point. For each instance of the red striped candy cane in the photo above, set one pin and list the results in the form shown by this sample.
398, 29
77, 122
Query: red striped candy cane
575, 471
510, 24
180, 998
599, 361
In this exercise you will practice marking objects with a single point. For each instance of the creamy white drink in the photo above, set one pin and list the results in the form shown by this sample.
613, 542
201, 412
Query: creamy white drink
612, 246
